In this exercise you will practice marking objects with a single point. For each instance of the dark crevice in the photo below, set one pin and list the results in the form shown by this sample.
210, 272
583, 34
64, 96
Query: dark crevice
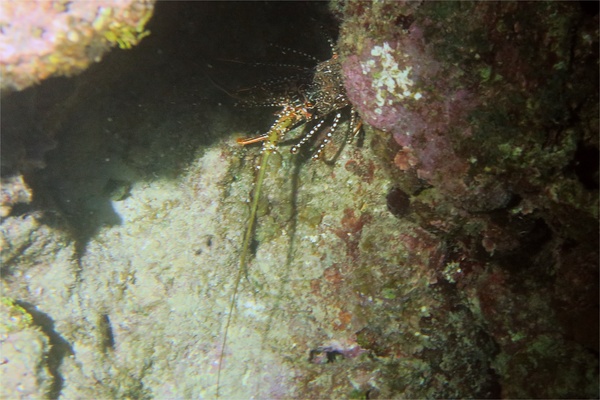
59, 347
118, 120
585, 164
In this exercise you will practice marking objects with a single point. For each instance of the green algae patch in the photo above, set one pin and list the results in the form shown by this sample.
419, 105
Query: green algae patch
13, 318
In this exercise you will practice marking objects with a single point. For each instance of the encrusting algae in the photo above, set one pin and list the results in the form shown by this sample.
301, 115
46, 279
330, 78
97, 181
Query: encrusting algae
301, 104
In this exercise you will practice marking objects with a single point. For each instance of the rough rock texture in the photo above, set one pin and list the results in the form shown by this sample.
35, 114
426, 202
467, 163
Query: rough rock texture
13, 191
24, 372
494, 107
430, 265
43, 39
40, 39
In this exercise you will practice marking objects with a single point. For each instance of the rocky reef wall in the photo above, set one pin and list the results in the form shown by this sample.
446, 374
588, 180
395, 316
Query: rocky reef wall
55, 38
492, 113
450, 251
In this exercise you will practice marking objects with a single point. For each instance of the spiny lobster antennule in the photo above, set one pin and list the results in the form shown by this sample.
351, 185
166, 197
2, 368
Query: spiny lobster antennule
285, 50
319, 97
251, 140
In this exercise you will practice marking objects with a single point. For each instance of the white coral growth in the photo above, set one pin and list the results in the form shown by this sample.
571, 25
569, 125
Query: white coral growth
390, 79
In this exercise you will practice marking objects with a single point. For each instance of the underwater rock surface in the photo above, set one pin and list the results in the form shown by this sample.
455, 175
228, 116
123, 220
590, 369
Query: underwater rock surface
494, 107
55, 38
460, 260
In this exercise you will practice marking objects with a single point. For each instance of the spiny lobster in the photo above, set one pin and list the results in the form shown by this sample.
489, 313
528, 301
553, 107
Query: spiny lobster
310, 98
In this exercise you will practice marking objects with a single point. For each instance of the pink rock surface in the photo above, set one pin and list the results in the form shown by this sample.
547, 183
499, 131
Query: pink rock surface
53, 38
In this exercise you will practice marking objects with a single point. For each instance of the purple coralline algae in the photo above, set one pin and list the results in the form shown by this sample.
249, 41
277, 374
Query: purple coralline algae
400, 88
489, 123
453, 253
53, 38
